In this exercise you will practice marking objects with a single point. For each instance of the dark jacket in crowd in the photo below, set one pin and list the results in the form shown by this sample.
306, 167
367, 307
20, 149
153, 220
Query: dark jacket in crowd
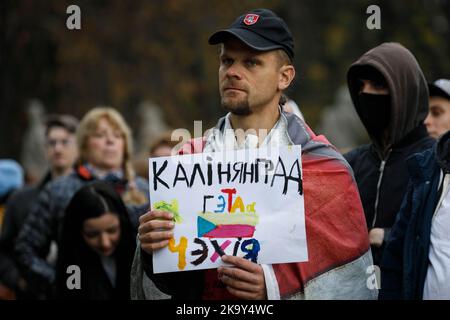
43, 225
405, 261
92, 201
17, 210
380, 168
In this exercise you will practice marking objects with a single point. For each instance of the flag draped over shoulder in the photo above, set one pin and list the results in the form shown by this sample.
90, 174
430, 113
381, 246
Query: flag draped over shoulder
337, 238
338, 245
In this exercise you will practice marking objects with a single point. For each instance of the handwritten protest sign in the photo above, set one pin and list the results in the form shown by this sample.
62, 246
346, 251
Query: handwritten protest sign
247, 203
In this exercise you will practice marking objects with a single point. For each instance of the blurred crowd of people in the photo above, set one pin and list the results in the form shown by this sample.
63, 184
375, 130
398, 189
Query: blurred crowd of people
35, 218
93, 202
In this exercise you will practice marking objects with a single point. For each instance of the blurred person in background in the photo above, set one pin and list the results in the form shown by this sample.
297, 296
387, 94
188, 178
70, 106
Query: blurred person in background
61, 151
416, 261
162, 146
438, 119
105, 147
390, 95
292, 107
11, 179
97, 236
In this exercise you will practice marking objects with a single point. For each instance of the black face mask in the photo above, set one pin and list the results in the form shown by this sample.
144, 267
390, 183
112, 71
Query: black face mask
375, 112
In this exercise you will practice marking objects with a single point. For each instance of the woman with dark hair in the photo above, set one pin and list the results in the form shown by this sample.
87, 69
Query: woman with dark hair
98, 237
105, 146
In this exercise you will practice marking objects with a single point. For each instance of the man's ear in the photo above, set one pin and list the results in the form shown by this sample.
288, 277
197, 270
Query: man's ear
287, 74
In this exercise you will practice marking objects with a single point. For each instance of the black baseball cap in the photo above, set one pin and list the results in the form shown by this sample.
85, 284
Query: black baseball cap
260, 29
440, 88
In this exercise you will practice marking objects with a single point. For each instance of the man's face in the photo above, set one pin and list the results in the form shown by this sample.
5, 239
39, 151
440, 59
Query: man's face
61, 149
248, 79
438, 119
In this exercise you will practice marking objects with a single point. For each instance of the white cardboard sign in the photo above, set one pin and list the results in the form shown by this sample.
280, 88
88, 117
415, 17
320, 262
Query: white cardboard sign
246, 203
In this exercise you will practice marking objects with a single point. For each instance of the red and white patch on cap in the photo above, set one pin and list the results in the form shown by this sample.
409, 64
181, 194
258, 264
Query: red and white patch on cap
251, 18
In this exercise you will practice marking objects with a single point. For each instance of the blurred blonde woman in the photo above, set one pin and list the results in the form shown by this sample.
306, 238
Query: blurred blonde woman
105, 147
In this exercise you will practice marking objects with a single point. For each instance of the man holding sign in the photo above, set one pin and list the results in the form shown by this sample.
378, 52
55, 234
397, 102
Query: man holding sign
246, 203
256, 66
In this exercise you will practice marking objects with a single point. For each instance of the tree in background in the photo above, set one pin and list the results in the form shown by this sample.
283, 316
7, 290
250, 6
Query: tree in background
128, 52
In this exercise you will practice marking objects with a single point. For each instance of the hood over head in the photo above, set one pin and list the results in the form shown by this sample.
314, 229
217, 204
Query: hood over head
408, 88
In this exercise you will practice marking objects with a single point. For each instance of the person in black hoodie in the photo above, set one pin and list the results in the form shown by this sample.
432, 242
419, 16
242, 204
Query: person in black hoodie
390, 95
98, 237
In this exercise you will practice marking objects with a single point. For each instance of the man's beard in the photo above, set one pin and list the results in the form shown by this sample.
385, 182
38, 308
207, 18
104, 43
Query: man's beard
240, 108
